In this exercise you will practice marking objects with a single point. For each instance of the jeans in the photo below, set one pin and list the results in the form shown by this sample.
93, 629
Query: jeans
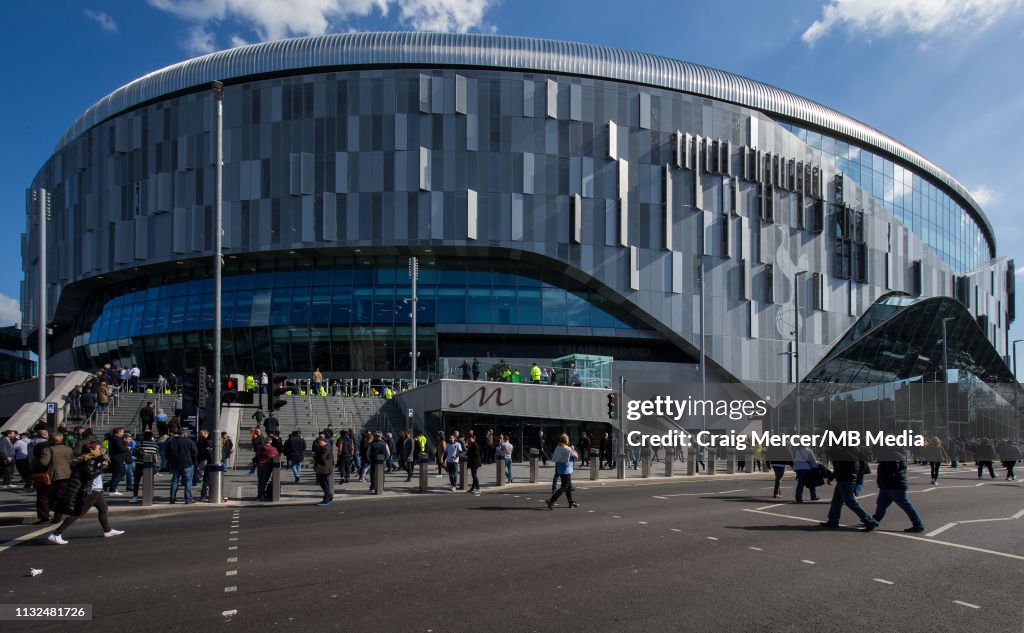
935, 469
184, 475
566, 487
801, 479
779, 472
296, 468
138, 479
843, 494
508, 469
982, 465
453, 472
129, 477
476, 480
858, 485
263, 482
1008, 465
116, 475
887, 496
324, 481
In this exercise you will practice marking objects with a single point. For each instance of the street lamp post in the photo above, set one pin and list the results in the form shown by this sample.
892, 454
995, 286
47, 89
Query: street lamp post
1016, 385
414, 273
218, 264
42, 199
796, 342
703, 365
945, 373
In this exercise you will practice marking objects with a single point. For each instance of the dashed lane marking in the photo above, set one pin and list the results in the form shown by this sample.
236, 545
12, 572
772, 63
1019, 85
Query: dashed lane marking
25, 537
232, 548
642, 522
231, 572
659, 497
774, 505
615, 516
966, 604
940, 530
900, 535
981, 484
231, 613
230, 589
233, 538
883, 581
756, 549
233, 559
809, 562
233, 532
676, 530
712, 538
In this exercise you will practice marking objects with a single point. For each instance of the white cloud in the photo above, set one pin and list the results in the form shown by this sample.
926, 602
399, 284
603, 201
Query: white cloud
1020, 271
106, 22
238, 41
10, 310
273, 19
984, 195
884, 17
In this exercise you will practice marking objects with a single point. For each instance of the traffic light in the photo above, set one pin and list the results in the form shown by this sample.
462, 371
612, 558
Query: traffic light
613, 406
276, 402
201, 385
229, 384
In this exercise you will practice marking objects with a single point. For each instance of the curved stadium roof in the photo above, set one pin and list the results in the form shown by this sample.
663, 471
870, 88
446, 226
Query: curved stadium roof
513, 53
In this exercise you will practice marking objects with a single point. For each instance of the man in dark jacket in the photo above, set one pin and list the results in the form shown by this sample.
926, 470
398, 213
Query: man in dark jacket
204, 455
119, 454
584, 449
323, 466
892, 488
55, 460
377, 449
182, 453
846, 463
271, 425
295, 451
984, 454
406, 448
147, 416
346, 453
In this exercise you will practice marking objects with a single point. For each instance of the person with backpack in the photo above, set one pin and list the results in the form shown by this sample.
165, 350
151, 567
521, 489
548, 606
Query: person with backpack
346, 453
563, 456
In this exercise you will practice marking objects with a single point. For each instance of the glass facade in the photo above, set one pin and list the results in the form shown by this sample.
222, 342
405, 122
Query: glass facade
339, 314
915, 201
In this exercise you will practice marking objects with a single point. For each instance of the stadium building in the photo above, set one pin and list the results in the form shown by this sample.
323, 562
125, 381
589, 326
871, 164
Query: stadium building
561, 198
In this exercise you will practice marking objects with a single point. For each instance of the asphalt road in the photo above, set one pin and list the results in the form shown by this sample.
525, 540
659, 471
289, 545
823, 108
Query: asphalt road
696, 556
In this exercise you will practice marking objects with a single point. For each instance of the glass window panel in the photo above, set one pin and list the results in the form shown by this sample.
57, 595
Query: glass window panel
529, 306
451, 305
503, 306
554, 306
479, 305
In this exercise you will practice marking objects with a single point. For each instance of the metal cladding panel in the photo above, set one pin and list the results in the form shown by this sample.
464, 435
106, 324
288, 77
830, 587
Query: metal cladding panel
531, 401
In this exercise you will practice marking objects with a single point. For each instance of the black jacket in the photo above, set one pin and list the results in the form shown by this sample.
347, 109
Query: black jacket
405, 448
118, 450
182, 452
377, 448
473, 455
295, 448
323, 458
845, 464
72, 498
984, 453
892, 475
204, 450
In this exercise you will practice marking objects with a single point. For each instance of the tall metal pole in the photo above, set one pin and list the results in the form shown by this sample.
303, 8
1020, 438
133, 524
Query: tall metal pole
414, 273
1016, 386
218, 263
945, 375
796, 342
703, 366
618, 411
43, 199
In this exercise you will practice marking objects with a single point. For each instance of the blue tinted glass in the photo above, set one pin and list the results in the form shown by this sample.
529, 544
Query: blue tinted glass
479, 305
529, 306
553, 310
451, 306
503, 306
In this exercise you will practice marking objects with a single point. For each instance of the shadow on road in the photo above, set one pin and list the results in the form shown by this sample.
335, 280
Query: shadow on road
503, 508
787, 528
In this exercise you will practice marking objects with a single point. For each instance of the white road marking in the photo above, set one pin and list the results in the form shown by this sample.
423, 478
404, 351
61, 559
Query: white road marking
230, 589
231, 572
657, 497
642, 522
756, 549
233, 559
675, 530
981, 484
233, 532
1018, 515
25, 537
901, 535
986, 520
615, 516
712, 538
228, 614
232, 547
590, 511
725, 492
941, 529
774, 505
966, 604
883, 581
809, 562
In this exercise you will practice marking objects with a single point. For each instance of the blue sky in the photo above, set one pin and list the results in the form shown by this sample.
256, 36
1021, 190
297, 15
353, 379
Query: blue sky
942, 76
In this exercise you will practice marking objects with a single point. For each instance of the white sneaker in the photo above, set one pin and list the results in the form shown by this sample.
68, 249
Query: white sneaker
56, 539
112, 532
116, 493
453, 488
135, 500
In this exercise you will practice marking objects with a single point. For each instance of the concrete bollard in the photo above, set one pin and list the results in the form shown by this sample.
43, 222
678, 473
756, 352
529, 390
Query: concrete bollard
595, 462
711, 464
620, 466
691, 463
499, 468
669, 461
275, 481
730, 463
748, 462
534, 456
463, 463
378, 474
148, 472
645, 462
423, 472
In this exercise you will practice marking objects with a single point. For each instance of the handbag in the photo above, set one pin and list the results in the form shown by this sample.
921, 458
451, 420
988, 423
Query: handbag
41, 479
814, 478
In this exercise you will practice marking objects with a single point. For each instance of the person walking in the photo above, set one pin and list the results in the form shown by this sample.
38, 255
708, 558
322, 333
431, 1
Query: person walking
563, 456
83, 491
1009, 454
506, 446
806, 466
227, 448
539, 445
323, 467
474, 461
119, 453
204, 455
476, 369
935, 454
182, 453
147, 446
452, 454
406, 451
442, 447
55, 460
584, 449
983, 455
892, 488
778, 458
846, 463
376, 450
295, 451
7, 457
266, 457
